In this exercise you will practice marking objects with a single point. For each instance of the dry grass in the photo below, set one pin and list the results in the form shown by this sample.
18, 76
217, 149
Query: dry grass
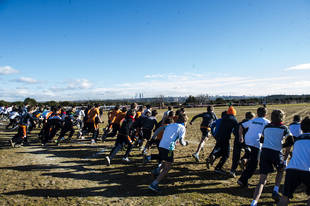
73, 175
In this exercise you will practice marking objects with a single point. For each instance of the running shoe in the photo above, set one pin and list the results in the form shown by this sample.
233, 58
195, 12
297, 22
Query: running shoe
276, 196
220, 171
242, 164
145, 159
154, 188
93, 141
195, 155
209, 161
12, 143
232, 174
144, 151
17, 145
126, 159
108, 161
242, 184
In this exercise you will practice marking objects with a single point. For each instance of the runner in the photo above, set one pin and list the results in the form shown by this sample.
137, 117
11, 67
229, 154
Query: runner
221, 149
116, 122
173, 132
52, 126
148, 123
298, 169
296, 131
93, 120
123, 138
238, 146
147, 109
294, 127
139, 112
21, 136
157, 136
216, 124
271, 155
14, 118
67, 127
252, 140
111, 117
207, 119
80, 114
166, 114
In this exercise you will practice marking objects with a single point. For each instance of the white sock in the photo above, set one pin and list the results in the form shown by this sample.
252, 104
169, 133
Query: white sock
276, 189
253, 203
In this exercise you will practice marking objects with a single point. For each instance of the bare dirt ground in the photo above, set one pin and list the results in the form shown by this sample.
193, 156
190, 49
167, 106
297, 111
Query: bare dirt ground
76, 174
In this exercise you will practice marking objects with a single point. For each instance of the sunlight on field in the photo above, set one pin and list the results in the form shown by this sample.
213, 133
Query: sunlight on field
76, 174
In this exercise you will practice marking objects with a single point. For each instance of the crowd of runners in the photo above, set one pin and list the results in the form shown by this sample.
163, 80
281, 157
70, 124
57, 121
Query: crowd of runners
269, 144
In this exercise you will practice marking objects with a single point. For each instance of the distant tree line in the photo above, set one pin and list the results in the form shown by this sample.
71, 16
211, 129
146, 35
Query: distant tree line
190, 101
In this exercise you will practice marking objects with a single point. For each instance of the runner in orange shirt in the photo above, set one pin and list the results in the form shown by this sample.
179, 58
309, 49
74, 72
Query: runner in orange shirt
111, 117
93, 120
116, 122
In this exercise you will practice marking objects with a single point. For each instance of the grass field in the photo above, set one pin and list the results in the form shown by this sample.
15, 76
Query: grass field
75, 174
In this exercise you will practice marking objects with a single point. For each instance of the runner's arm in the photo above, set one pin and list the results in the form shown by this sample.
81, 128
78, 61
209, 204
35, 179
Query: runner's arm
241, 139
195, 117
182, 136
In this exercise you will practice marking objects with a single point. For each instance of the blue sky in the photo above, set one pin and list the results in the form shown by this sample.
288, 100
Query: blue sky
79, 49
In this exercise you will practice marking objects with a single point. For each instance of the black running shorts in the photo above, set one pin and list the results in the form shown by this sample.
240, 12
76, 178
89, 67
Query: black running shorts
166, 155
269, 159
293, 179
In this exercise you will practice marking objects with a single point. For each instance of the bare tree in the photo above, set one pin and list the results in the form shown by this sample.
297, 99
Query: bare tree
161, 100
202, 99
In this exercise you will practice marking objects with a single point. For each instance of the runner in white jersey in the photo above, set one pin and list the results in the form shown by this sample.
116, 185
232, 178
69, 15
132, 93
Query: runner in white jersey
166, 114
173, 132
298, 169
271, 155
1, 109
295, 126
252, 140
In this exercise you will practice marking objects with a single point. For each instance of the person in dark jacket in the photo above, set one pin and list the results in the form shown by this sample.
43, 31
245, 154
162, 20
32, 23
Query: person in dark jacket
67, 127
207, 119
124, 137
216, 124
238, 146
221, 149
53, 125
148, 123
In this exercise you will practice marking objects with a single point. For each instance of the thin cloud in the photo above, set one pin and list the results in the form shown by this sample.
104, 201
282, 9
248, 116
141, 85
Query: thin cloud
83, 89
5, 70
80, 84
153, 76
70, 85
27, 80
299, 67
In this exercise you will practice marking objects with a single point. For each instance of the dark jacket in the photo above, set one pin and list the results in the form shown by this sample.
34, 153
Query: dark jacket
148, 123
207, 118
126, 127
26, 118
228, 125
